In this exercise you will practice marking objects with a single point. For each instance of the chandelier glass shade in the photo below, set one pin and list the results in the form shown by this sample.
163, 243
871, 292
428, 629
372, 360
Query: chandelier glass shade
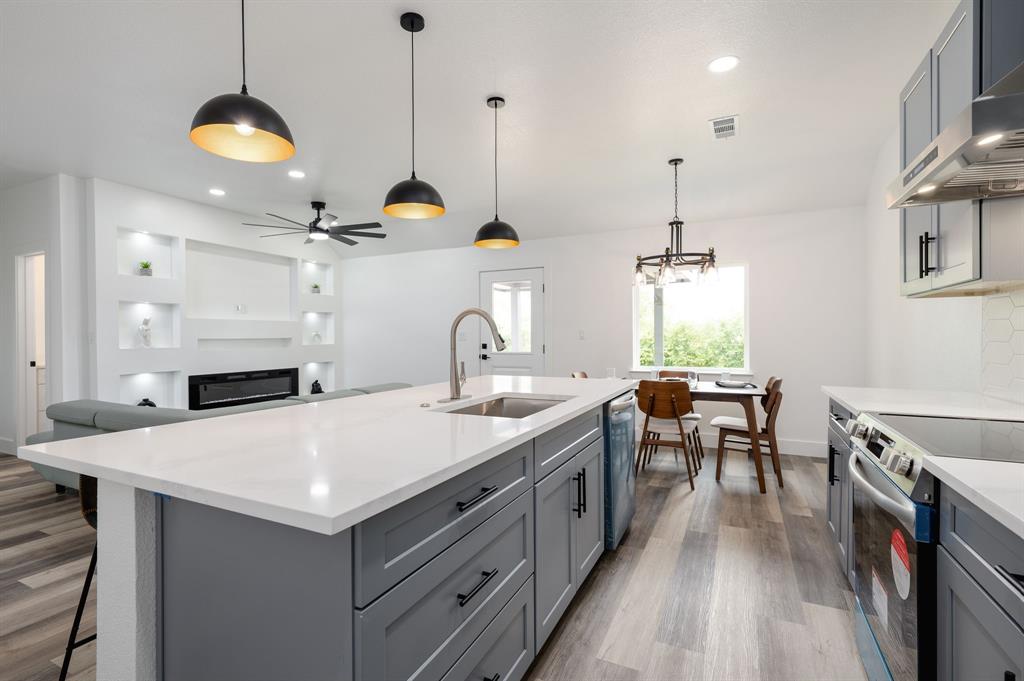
674, 265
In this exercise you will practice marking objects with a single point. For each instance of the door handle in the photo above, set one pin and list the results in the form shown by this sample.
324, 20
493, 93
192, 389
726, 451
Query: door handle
487, 576
498, 676
905, 511
484, 493
920, 256
579, 495
484, 356
928, 239
583, 486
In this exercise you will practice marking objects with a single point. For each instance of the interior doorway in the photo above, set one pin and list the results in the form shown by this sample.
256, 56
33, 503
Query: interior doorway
515, 298
31, 346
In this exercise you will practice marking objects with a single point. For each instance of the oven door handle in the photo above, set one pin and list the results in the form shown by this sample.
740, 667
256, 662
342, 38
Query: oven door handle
904, 509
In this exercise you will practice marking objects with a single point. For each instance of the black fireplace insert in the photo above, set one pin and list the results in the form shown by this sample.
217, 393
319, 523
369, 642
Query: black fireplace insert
211, 391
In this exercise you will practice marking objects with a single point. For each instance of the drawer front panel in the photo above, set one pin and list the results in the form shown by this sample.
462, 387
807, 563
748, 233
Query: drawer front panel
505, 649
392, 545
557, 446
422, 626
991, 553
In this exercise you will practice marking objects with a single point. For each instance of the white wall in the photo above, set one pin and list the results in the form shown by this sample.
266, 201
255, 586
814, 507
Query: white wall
806, 278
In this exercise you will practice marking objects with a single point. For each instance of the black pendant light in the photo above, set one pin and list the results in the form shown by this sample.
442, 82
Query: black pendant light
242, 127
413, 199
496, 233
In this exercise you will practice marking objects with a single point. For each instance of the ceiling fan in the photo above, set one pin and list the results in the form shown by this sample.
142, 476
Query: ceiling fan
322, 227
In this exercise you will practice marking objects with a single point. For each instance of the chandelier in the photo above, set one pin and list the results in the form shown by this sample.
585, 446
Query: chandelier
674, 265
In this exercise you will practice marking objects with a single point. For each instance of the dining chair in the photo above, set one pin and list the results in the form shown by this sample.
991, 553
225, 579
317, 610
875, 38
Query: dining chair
578, 374
87, 502
663, 405
732, 430
698, 442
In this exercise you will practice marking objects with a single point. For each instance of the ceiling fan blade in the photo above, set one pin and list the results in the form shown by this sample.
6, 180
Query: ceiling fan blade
368, 235
330, 218
288, 220
344, 240
362, 225
256, 224
264, 236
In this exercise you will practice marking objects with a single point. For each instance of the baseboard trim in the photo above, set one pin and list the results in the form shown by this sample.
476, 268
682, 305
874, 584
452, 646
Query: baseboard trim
793, 447
7, 446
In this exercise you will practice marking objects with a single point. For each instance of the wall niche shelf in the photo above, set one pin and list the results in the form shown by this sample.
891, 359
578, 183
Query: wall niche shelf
313, 272
316, 371
228, 283
165, 325
317, 328
136, 245
162, 387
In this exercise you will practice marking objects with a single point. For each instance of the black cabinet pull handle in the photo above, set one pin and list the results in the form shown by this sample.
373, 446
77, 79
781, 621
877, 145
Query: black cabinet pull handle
498, 676
1016, 581
579, 496
1009, 676
487, 576
928, 239
920, 256
484, 493
583, 486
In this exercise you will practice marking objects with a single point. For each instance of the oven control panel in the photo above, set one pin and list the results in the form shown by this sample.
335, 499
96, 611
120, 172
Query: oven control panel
899, 458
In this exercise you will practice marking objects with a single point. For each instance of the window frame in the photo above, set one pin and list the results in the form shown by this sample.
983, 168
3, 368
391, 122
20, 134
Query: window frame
659, 330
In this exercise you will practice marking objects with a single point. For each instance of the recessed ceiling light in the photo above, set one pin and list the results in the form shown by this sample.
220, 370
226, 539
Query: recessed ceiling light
926, 189
723, 64
990, 139
217, 192
296, 174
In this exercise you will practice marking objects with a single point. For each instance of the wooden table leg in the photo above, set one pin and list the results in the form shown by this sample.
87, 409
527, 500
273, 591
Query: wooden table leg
748, 407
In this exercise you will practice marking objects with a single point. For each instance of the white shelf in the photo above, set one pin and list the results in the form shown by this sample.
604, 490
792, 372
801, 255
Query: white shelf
165, 327
320, 371
321, 323
314, 272
135, 245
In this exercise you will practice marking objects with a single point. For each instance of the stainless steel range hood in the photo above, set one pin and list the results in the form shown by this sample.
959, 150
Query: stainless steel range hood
980, 155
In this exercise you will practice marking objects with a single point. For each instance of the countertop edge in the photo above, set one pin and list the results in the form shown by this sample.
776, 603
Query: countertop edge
983, 501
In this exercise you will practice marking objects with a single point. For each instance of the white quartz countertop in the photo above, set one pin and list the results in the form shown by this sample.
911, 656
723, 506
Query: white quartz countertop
949, 404
328, 465
996, 487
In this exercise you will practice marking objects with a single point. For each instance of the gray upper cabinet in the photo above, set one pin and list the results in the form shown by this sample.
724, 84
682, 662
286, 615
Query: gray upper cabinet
955, 253
976, 639
1002, 49
917, 225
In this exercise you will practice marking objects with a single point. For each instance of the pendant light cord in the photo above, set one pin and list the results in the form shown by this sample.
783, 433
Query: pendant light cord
676, 212
495, 162
245, 90
412, 68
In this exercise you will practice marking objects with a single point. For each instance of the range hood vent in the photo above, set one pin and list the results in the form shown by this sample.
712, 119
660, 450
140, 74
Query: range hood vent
980, 155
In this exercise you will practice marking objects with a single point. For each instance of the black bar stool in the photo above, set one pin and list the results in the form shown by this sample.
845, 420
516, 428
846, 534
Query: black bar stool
87, 500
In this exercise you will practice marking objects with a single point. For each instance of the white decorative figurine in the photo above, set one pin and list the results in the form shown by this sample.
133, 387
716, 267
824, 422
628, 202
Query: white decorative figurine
145, 333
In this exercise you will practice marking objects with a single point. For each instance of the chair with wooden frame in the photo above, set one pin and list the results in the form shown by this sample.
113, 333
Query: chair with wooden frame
578, 374
696, 440
734, 431
664, 405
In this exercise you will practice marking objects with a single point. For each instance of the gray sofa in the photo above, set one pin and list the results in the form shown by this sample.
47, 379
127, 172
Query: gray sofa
81, 418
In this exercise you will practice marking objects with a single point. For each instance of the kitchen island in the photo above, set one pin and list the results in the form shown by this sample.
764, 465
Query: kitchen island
322, 540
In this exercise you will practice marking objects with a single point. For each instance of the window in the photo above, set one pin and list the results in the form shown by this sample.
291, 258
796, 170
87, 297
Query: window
693, 325
510, 305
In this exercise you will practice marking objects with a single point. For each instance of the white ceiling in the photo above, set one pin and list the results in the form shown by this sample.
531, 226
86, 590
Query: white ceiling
600, 95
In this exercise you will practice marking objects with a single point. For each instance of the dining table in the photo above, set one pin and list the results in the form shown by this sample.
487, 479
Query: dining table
709, 391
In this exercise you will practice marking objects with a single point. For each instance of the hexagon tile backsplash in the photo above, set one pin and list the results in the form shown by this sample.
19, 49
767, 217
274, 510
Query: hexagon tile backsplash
1002, 358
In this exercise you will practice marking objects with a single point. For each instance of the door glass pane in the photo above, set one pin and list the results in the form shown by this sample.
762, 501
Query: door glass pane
511, 308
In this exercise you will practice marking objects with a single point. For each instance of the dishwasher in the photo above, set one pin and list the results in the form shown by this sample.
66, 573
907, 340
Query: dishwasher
619, 475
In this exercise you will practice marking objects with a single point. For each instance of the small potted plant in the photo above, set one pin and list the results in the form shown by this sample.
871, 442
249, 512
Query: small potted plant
315, 288
145, 268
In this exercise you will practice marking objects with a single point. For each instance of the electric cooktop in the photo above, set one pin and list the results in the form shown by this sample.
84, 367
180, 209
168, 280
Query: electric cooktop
962, 438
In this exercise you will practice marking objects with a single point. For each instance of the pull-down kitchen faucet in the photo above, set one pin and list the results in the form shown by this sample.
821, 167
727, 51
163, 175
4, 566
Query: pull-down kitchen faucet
499, 345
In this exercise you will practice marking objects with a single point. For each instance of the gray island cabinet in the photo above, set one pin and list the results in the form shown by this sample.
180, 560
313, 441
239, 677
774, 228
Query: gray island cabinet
463, 581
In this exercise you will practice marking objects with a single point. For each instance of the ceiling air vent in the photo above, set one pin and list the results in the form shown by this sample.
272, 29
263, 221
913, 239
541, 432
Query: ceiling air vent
724, 127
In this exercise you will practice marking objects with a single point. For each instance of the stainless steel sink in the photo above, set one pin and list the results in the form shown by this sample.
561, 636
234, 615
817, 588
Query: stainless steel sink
508, 407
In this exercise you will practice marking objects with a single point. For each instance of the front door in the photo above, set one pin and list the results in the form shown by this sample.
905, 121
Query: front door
515, 298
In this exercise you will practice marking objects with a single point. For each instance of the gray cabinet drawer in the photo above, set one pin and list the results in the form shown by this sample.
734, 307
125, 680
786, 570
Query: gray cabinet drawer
991, 553
976, 641
505, 650
392, 545
557, 446
419, 629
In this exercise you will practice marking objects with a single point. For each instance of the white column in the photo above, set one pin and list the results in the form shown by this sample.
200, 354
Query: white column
126, 574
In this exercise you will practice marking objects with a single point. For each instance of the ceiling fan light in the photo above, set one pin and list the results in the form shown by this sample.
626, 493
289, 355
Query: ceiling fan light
496, 234
413, 199
318, 236
243, 128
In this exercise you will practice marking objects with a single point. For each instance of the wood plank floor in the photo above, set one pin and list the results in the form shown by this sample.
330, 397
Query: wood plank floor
719, 583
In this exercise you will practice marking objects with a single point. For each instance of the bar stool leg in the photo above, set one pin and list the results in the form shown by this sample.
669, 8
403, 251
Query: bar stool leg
72, 643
